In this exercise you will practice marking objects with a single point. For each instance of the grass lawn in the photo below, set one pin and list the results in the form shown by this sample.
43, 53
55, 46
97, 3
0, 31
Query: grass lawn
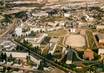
91, 40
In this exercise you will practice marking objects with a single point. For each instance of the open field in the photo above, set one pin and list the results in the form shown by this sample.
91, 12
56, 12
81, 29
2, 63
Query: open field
75, 41
57, 33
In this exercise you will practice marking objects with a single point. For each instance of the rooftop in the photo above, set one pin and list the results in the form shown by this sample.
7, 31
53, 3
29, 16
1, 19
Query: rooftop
100, 36
101, 51
17, 54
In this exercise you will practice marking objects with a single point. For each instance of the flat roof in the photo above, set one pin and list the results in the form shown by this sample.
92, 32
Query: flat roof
100, 36
17, 54
100, 51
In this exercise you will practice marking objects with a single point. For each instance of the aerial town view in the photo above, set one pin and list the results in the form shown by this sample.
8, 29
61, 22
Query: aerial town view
51, 36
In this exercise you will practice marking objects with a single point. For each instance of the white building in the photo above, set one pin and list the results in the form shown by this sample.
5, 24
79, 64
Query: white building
102, 7
40, 14
17, 54
101, 39
73, 30
100, 51
37, 29
53, 45
100, 27
67, 14
18, 31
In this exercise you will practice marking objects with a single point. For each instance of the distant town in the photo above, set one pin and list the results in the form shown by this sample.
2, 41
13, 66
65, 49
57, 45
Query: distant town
51, 36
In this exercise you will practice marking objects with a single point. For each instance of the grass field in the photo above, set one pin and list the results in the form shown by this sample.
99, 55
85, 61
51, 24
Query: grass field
91, 40
57, 33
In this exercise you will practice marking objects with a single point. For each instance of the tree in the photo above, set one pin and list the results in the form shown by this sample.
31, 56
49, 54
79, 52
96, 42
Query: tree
4, 69
10, 58
8, 68
19, 48
21, 15
8, 18
37, 50
32, 33
2, 56
91, 69
29, 53
27, 44
5, 56
49, 56
1, 3
28, 58
40, 67
65, 65
19, 61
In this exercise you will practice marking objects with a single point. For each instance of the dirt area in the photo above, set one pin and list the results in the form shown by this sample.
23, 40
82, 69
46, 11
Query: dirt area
57, 71
75, 41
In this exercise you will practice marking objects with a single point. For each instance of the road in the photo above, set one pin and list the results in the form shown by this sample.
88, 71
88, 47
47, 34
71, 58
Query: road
41, 57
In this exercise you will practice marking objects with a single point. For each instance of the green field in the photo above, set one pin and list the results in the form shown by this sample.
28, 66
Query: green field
91, 41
